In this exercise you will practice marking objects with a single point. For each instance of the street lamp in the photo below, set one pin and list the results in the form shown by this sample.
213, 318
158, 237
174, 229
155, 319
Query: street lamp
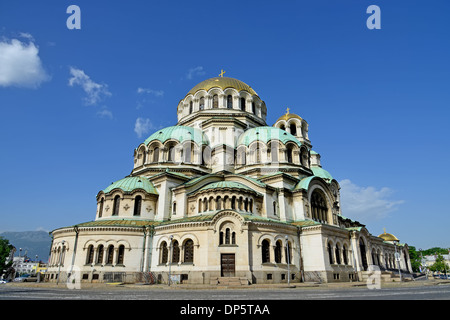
287, 258
170, 258
397, 257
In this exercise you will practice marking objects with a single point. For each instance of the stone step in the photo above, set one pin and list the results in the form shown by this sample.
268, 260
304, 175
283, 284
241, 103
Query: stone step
229, 281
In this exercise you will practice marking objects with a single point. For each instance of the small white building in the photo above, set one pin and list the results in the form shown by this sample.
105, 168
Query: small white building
223, 195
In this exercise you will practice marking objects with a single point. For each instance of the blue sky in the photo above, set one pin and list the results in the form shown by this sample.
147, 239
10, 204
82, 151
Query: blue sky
75, 103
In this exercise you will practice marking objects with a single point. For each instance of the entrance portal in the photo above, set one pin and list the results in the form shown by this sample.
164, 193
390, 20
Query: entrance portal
227, 264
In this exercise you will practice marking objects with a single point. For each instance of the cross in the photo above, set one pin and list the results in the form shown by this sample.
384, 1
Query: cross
221, 73
287, 111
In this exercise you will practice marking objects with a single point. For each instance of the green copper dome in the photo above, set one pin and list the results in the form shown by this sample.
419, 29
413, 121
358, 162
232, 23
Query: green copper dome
322, 173
179, 133
129, 184
265, 134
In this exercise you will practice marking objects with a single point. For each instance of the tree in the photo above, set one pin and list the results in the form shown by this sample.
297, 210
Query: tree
440, 265
5, 250
415, 259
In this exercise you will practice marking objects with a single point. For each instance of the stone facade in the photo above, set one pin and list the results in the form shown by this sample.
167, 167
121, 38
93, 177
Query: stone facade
221, 194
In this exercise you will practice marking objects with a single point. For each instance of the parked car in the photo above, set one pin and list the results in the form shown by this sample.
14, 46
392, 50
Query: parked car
19, 279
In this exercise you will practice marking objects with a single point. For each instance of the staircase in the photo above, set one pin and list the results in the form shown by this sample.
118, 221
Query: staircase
230, 281
386, 276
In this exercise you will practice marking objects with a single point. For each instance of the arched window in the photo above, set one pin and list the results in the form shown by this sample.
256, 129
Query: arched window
191, 109
116, 205
100, 210
164, 252
233, 237
253, 108
362, 250
100, 251
319, 208
344, 255
282, 127
221, 237
202, 103
337, 253
189, 251
144, 156
229, 102
219, 203
171, 155
90, 255
188, 153
275, 208
215, 101
242, 104
137, 206
110, 255
289, 155
265, 250
175, 252
241, 156
274, 153
233, 202
278, 252
293, 128
120, 254
330, 253
227, 236
174, 208
156, 155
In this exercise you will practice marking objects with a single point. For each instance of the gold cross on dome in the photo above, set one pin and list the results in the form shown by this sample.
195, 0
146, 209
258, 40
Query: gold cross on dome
221, 73
287, 111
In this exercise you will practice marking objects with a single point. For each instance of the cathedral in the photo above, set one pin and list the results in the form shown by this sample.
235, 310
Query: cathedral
223, 196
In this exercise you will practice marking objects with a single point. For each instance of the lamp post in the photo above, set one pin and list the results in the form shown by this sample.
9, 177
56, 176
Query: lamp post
397, 257
287, 259
170, 258
59, 263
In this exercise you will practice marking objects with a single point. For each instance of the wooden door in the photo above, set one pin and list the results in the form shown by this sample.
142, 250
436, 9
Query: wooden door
227, 265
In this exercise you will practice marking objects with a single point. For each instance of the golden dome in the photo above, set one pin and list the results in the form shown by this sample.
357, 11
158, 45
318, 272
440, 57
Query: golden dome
388, 237
222, 83
288, 116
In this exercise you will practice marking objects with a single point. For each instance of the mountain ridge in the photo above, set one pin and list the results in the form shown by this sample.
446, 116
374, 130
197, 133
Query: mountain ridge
32, 243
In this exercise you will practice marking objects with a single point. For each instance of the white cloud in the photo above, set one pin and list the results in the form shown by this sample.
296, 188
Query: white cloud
366, 203
105, 113
20, 64
142, 126
95, 92
156, 93
197, 71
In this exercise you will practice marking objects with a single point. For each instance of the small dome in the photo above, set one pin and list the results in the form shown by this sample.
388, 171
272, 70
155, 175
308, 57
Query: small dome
265, 134
179, 133
388, 237
322, 173
222, 83
129, 184
287, 116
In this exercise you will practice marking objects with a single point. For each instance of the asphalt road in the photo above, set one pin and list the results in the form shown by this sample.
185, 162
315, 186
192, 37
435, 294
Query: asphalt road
23, 292
269, 303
